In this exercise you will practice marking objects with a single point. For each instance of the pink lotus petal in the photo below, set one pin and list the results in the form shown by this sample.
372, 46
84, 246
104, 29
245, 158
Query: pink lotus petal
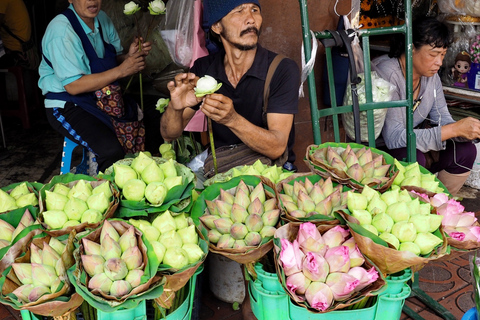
338, 259
439, 199
365, 277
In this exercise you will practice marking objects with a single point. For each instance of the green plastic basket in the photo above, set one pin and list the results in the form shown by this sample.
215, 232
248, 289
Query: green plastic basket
396, 281
390, 305
268, 304
269, 280
27, 315
137, 313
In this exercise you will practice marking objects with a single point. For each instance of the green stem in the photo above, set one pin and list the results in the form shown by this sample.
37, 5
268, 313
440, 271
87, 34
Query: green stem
128, 84
212, 145
141, 91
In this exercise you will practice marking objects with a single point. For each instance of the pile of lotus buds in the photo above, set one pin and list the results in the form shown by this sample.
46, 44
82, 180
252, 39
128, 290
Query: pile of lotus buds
82, 203
19, 197
241, 218
145, 179
398, 218
44, 274
116, 264
174, 239
359, 164
411, 175
322, 269
304, 199
9, 232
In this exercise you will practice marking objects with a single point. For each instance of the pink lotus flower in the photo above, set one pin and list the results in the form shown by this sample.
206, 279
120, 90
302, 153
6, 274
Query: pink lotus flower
315, 267
319, 296
471, 233
438, 199
310, 239
450, 207
291, 257
365, 277
338, 259
356, 257
297, 283
466, 219
421, 195
335, 236
459, 236
342, 285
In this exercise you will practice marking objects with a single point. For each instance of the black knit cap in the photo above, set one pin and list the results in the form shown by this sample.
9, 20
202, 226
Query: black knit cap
215, 10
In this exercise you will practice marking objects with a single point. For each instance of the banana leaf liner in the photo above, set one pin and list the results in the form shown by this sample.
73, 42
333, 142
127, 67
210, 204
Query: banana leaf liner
70, 180
13, 218
339, 191
388, 259
315, 159
178, 198
57, 305
33, 187
247, 255
151, 285
289, 232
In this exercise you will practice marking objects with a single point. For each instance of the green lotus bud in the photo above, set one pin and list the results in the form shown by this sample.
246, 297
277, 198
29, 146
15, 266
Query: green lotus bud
7, 202
242, 198
99, 201
206, 85
404, 231
70, 223
427, 242
6, 230
267, 231
363, 216
421, 222
91, 248
109, 229
371, 228
171, 182
152, 173
404, 195
55, 219
150, 232
109, 248
211, 207
171, 239
424, 208
23, 271
270, 204
93, 264
61, 189
19, 190
165, 147
57, 285
286, 198
213, 235
382, 222
155, 192
168, 168
176, 257
18, 229
390, 197
297, 187
35, 254
134, 189
164, 222
239, 213
140, 162
43, 275
91, 216
49, 255
253, 239
271, 173
100, 282
134, 277
23, 292
188, 234
57, 245
37, 292
409, 246
254, 223
270, 218
256, 207
128, 239
27, 219
316, 194
356, 201
258, 192
159, 250
169, 155
60, 269
238, 231
181, 221
123, 173
350, 158
298, 213
414, 206
223, 225
239, 244
226, 196
29, 199
225, 242
288, 190
411, 181
356, 172
390, 238
304, 202
133, 258
208, 220
224, 209
55, 201
81, 190
398, 211
194, 252
115, 269
323, 207
381, 171
139, 222
74, 208
105, 188
435, 222
376, 205
430, 185
398, 179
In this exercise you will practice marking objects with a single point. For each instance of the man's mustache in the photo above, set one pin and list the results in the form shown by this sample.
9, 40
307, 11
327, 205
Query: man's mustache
249, 30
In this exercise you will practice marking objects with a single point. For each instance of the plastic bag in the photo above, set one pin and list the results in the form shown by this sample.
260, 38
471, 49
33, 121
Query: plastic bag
460, 7
381, 91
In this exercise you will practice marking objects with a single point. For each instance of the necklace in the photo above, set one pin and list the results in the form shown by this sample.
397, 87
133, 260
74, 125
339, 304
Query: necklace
403, 72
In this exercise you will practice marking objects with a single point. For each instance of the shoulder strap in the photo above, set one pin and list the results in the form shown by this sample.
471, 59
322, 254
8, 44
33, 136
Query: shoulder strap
11, 33
266, 91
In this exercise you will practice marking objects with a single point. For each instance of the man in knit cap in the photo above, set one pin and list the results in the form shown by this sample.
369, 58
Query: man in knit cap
241, 66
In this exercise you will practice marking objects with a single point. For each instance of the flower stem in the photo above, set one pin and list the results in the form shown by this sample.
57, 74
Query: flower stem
141, 91
212, 145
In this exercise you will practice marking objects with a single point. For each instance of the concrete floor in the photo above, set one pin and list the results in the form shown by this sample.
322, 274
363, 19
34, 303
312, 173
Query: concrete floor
35, 155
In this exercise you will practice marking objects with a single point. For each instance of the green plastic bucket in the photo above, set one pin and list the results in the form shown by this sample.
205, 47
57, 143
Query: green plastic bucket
269, 280
27, 315
137, 313
396, 281
268, 304
300, 313
390, 305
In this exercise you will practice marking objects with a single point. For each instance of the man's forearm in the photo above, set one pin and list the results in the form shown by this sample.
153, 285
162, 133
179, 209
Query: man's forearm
171, 124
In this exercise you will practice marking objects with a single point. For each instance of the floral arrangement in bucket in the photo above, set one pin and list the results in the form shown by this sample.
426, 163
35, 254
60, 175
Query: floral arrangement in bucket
475, 50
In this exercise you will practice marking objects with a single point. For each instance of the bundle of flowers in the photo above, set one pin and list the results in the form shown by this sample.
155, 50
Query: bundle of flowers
15, 226
115, 267
323, 270
77, 202
19, 195
414, 177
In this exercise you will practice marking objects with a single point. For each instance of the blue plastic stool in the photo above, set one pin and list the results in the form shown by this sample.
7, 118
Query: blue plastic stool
68, 147
470, 314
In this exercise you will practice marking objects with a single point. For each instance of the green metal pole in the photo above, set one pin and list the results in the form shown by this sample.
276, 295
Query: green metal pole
411, 139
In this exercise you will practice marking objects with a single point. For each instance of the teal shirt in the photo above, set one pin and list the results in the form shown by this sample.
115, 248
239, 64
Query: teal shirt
63, 48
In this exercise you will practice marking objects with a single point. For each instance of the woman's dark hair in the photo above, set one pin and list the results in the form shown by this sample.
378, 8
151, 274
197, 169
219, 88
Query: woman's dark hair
425, 31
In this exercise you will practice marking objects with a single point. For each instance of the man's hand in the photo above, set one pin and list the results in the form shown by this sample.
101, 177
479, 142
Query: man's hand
219, 108
181, 90
468, 128
134, 47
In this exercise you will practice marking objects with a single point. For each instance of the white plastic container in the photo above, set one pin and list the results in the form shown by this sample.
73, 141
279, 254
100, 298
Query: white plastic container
226, 278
